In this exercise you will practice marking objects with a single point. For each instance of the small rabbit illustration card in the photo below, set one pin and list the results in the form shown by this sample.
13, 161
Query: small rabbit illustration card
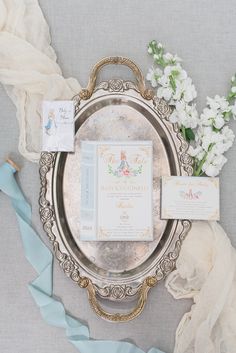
58, 126
195, 198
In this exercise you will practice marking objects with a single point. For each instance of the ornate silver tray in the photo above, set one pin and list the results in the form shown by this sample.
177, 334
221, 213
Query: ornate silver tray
118, 271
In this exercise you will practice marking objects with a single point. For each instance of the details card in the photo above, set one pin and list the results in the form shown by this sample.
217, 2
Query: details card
195, 198
116, 191
58, 126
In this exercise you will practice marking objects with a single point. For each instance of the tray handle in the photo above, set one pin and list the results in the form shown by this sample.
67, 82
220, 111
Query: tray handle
149, 282
87, 92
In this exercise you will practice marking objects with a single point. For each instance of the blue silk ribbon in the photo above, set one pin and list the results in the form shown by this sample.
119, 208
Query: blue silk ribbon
40, 257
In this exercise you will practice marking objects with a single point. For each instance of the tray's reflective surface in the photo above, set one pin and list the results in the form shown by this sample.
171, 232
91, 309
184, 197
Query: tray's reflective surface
115, 269
113, 121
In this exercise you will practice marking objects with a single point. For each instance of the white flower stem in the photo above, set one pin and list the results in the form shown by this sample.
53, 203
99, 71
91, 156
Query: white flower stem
198, 171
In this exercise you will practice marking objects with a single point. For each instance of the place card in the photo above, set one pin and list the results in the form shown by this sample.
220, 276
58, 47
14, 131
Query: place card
195, 198
116, 191
58, 126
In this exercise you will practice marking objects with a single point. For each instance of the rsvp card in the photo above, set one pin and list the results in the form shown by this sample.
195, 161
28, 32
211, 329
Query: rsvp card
116, 191
195, 198
58, 126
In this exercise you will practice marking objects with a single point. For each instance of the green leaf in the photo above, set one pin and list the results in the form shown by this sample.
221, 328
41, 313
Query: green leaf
227, 115
215, 129
231, 97
189, 134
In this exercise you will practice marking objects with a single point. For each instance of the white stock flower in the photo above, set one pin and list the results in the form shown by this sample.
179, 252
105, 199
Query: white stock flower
210, 169
164, 92
212, 136
197, 152
176, 71
220, 147
212, 116
170, 58
207, 116
218, 103
215, 144
206, 137
213, 164
164, 81
219, 121
185, 115
153, 75
185, 90
228, 134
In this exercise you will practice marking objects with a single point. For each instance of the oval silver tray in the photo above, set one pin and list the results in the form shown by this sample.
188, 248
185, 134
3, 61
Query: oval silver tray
120, 271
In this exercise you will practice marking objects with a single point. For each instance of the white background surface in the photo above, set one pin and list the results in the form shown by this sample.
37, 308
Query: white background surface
203, 34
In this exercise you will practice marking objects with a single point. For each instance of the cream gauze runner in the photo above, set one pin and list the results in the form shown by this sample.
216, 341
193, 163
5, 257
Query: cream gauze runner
28, 69
206, 266
205, 272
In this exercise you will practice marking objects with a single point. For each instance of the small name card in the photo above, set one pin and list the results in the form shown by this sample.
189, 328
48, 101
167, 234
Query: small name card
58, 126
195, 198
116, 191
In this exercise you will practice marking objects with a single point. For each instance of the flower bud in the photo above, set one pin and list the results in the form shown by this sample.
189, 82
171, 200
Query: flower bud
233, 89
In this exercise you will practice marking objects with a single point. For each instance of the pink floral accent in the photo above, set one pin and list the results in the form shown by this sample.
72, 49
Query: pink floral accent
126, 172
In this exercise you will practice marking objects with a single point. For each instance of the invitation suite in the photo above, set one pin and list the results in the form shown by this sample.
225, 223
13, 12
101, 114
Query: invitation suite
190, 198
116, 190
58, 126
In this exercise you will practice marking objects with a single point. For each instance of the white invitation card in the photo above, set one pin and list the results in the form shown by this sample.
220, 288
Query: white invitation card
116, 191
195, 198
58, 126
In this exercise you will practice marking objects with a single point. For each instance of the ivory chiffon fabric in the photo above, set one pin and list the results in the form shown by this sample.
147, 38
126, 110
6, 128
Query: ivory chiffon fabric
28, 69
206, 273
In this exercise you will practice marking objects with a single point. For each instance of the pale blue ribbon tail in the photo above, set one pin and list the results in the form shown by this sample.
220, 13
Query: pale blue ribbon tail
40, 257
